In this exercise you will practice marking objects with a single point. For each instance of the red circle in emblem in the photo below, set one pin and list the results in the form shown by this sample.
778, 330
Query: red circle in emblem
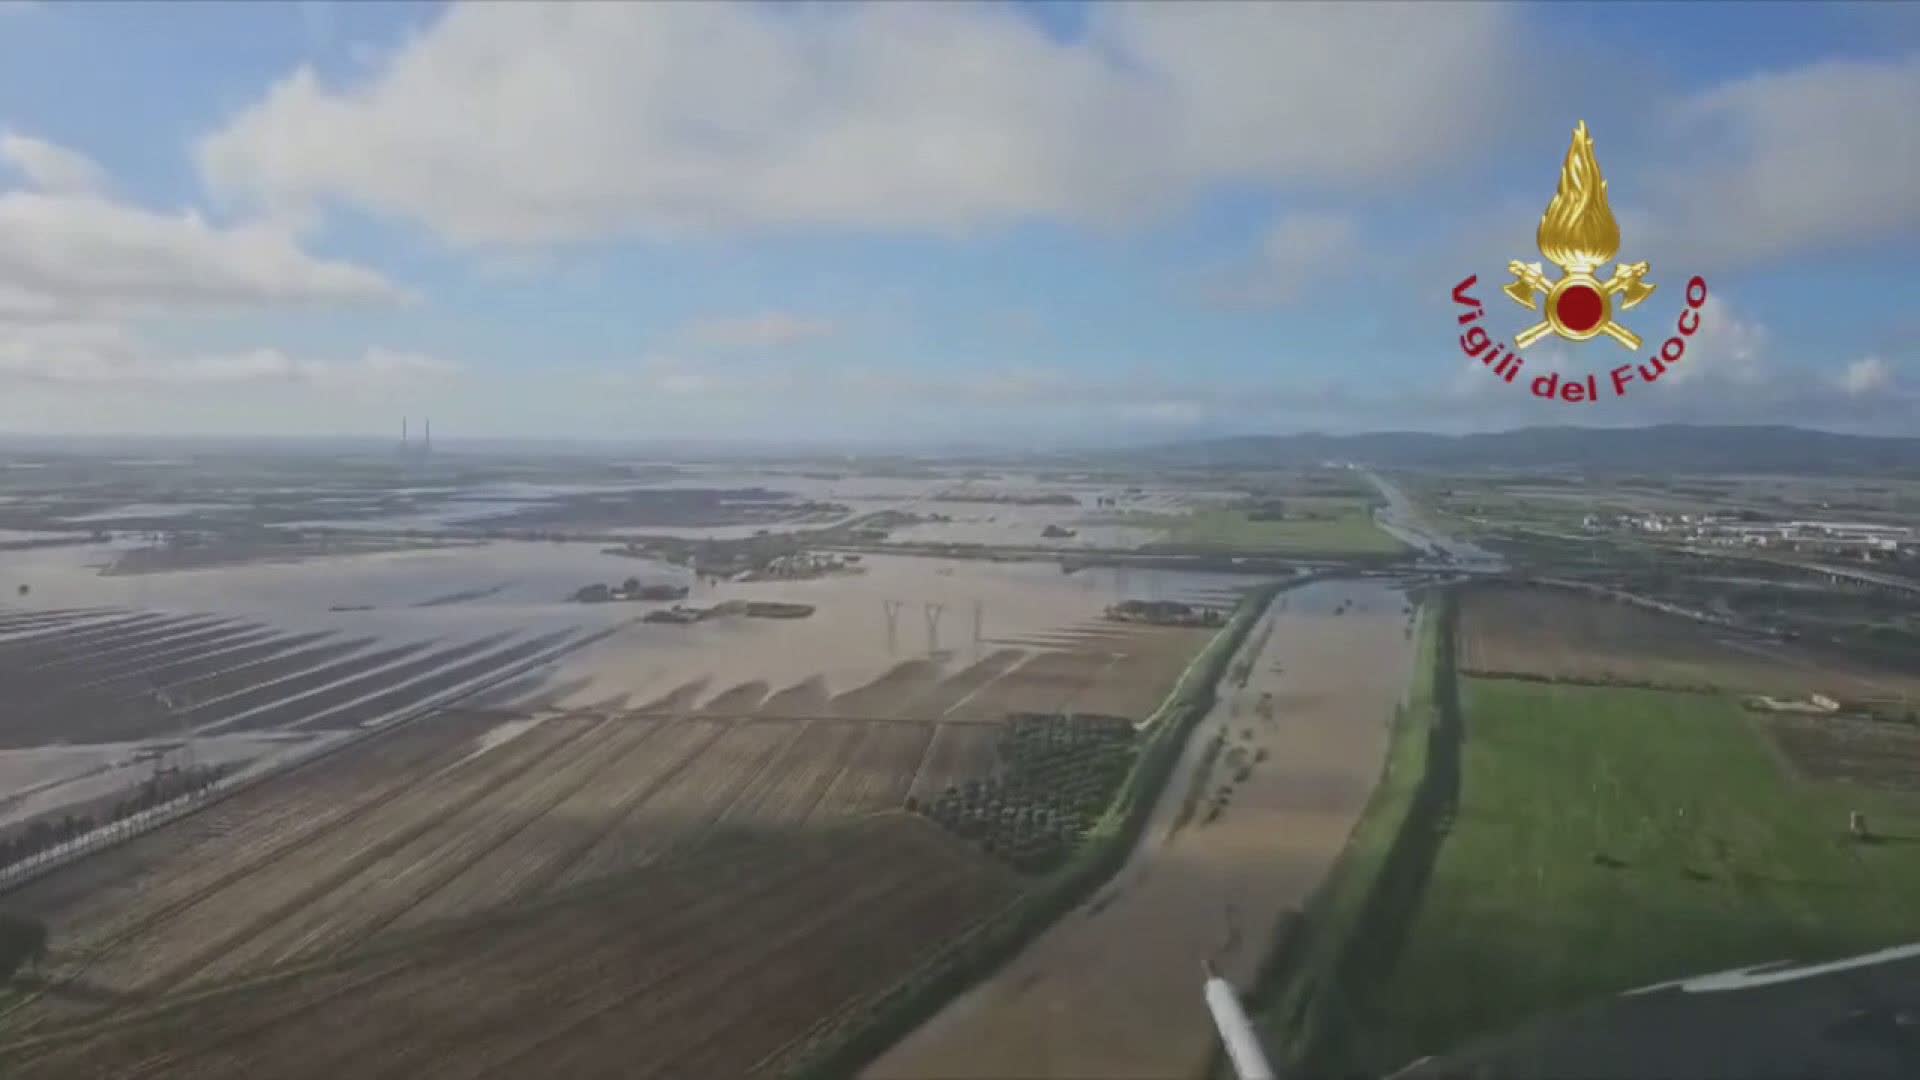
1580, 308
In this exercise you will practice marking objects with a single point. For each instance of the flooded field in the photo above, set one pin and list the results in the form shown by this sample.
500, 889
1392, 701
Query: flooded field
914, 621
656, 745
566, 771
643, 499
338, 641
1113, 989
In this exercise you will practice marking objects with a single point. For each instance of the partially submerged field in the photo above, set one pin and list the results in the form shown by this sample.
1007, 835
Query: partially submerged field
417, 865
926, 639
99, 703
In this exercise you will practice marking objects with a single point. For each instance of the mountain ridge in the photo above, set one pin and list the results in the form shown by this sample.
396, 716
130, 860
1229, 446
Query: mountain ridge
1753, 448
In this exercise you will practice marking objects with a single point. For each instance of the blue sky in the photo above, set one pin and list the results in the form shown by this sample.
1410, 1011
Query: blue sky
1036, 223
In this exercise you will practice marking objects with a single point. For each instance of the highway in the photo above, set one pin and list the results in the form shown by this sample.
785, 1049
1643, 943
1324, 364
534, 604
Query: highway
1401, 518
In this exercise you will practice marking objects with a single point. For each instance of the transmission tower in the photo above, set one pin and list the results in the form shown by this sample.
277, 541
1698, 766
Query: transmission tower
933, 627
183, 754
892, 608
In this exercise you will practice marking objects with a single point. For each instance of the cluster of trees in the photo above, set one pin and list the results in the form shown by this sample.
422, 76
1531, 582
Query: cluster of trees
1055, 777
962, 962
630, 589
1165, 613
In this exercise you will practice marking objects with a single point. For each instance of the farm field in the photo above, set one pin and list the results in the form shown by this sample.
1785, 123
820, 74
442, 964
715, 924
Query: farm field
381, 840
722, 961
474, 810
1866, 752
1554, 634
1124, 672
1611, 838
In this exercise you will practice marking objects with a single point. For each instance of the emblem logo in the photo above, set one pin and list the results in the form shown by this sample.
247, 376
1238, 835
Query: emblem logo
1578, 234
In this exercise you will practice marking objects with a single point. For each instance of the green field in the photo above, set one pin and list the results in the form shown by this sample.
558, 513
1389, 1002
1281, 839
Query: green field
1317, 525
1612, 838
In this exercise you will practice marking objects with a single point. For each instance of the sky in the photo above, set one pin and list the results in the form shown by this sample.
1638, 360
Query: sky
1019, 225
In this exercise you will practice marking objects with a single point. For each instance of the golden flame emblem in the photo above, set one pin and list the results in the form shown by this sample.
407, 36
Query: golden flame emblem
1578, 231
1578, 234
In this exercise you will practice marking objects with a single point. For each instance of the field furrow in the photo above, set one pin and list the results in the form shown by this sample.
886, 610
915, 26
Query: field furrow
880, 773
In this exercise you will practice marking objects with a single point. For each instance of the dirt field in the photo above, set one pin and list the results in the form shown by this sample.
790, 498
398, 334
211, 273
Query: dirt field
959, 752
347, 883
1560, 635
1113, 989
473, 811
720, 962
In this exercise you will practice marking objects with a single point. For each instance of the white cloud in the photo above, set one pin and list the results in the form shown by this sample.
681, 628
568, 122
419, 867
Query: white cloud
90, 253
86, 355
1867, 375
767, 330
1299, 252
66, 249
531, 123
1816, 158
1728, 349
51, 168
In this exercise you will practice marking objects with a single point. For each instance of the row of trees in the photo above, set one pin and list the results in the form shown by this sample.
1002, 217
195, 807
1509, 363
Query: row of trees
41, 835
47, 833
167, 786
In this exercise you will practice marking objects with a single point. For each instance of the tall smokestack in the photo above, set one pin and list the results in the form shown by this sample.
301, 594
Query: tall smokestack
429, 441
403, 431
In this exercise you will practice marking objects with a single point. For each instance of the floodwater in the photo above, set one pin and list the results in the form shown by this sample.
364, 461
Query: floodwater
898, 609
847, 643
153, 510
1114, 988
528, 583
491, 504
481, 590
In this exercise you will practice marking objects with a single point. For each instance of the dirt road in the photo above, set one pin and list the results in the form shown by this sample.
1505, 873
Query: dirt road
1114, 988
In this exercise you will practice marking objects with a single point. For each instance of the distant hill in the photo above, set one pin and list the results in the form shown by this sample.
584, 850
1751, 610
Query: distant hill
1664, 447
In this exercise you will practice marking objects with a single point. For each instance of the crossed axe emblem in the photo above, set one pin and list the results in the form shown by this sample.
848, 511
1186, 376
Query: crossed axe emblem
1572, 314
